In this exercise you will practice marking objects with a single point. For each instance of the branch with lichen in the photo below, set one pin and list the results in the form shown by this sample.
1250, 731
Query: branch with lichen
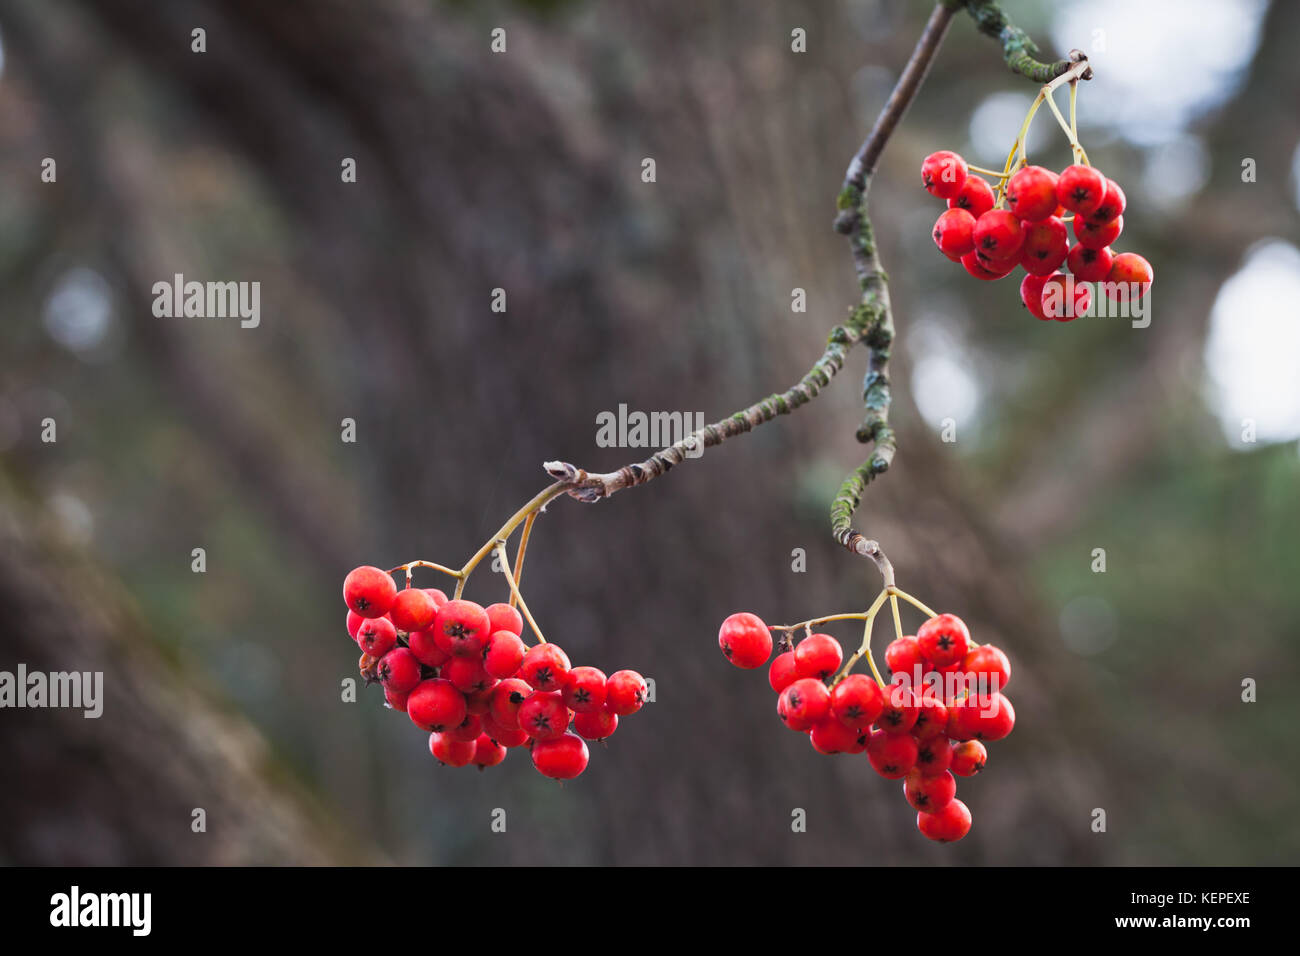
1018, 50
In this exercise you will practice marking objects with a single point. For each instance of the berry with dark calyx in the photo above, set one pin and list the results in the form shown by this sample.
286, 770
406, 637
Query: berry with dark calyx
377, 636
898, 715
929, 794
436, 705
398, 670
999, 235
1130, 277
1031, 193
467, 674
892, 755
479, 702
462, 628
745, 640
424, 645
903, 655
1080, 189
585, 689
857, 701
989, 666
502, 617
946, 825
968, 758
1046, 245
467, 729
975, 196
505, 737
507, 697
453, 753
561, 758
1064, 299
487, 752
545, 667
1031, 294
625, 693
944, 639
412, 610
543, 715
931, 717
803, 703
503, 654
595, 724
1097, 235
953, 233
1090, 265
783, 671
818, 655
1112, 204
976, 267
933, 755
369, 591
982, 717
943, 174
829, 737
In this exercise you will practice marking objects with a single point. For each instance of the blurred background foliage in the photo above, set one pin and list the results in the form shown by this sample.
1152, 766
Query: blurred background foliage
522, 171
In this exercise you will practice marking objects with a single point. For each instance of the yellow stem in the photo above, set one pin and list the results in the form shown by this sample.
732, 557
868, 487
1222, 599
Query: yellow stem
519, 555
859, 616
898, 621
865, 647
536, 504
914, 602
514, 589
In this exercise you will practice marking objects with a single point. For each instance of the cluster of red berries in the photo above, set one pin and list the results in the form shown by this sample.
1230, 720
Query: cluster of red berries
463, 673
928, 723
1031, 232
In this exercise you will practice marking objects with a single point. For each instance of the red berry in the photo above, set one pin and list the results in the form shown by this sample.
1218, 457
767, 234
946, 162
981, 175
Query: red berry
783, 671
929, 794
968, 758
1080, 189
543, 715
453, 753
931, 717
503, 654
745, 639
946, 825
1097, 235
467, 674
585, 689
505, 737
898, 715
595, 724
944, 639
981, 717
829, 736
953, 233
479, 702
975, 196
999, 235
1130, 277
377, 636
424, 645
625, 693
1112, 204
468, 729
436, 705
1031, 294
462, 628
857, 701
507, 697
369, 591
1046, 245
903, 656
1031, 193
933, 755
395, 701
545, 667
502, 617
487, 752
943, 174
1090, 265
355, 621
990, 666
892, 755
803, 703
398, 670
438, 596
1064, 299
818, 655
561, 758
976, 267
412, 610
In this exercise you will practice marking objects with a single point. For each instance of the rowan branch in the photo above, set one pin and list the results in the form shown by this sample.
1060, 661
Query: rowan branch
1017, 49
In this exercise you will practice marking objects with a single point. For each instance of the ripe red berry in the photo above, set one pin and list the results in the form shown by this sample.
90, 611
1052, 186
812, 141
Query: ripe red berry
502, 617
1031, 193
479, 702
467, 674
929, 794
505, 737
487, 752
944, 639
953, 233
1064, 299
462, 628
898, 715
857, 701
1097, 235
585, 689
803, 703
977, 267
453, 753
424, 645
545, 667
999, 235
989, 666
438, 596
1045, 248
398, 670
981, 717
968, 758
903, 656
412, 610
355, 621
595, 724
625, 693
436, 705
947, 824
1090, 265
829, 736
369, 591
1031, 294
975, 196
943, 174
507, 697
468, 729
892, 755
1080, 189
503, 654
395, 701
818, 655
933, 755
931, 717
1130, 277
783, 671
1111, 206
543, 715
745, 640
561, 758
377, 636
